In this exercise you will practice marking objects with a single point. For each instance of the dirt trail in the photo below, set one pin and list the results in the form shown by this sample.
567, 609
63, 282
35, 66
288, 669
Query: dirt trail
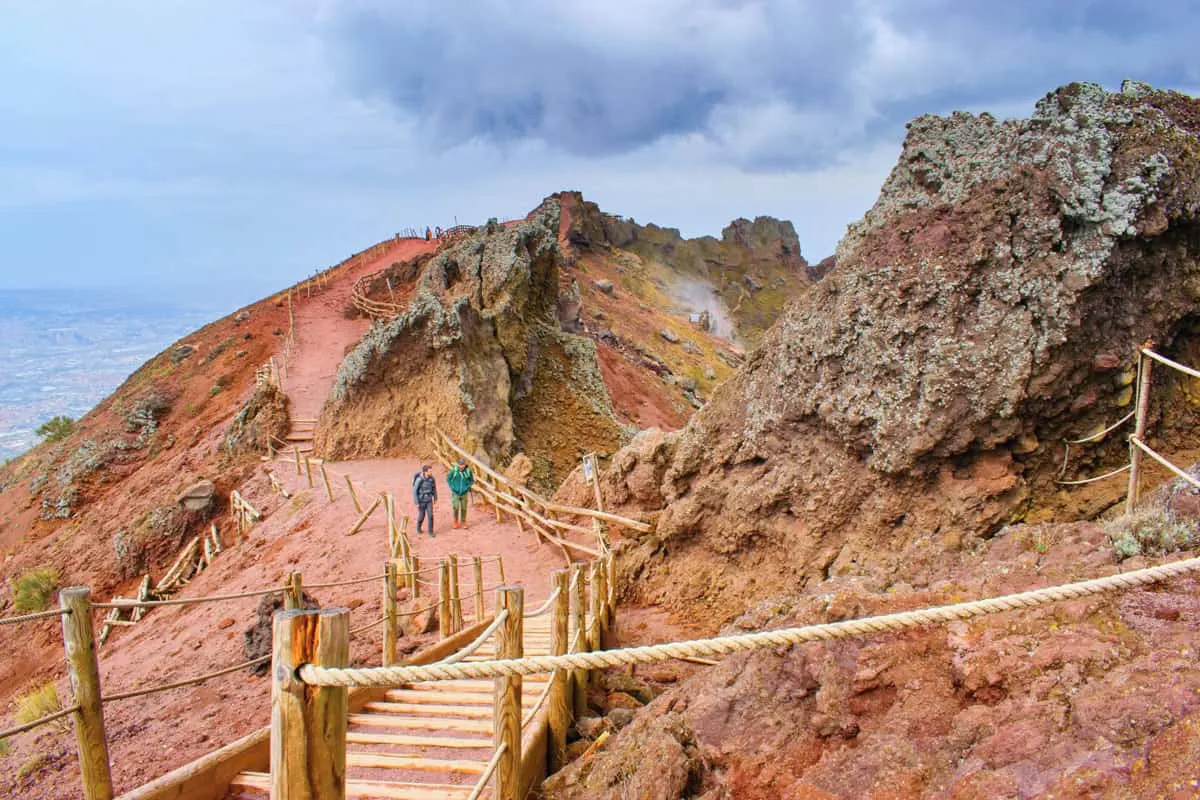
324, 335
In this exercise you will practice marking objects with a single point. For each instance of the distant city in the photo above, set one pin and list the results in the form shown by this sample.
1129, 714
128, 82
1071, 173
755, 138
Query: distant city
61, 352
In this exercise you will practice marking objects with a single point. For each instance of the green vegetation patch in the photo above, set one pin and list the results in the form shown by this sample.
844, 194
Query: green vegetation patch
33, 590
56, 428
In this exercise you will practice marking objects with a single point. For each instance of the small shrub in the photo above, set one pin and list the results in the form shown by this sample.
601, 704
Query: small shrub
32, 765
34, 589
1150, 532
38, 703
4, 748
56, 429
221, 385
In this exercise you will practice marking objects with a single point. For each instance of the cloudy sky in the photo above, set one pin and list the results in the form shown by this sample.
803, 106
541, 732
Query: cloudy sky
198, 146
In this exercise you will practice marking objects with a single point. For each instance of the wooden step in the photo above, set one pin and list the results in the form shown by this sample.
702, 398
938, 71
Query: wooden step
395, 722
442, 698
405, 740
414, 762
468, 684
430, 710
306, 436
260, 782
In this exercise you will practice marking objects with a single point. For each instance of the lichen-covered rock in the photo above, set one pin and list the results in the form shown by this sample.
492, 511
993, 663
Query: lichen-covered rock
260, 424
479, 354
920, 390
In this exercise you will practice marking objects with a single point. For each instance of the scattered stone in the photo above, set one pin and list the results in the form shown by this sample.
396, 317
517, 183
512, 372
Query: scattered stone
242, 316
198, 496
709, 373
669, 335
689, 347
752, 283
589, 727
687, 384
355, 603
619, 717
577, 749
603, 285
1106, 361
181, 352
1025, 444
240, 354
226, 622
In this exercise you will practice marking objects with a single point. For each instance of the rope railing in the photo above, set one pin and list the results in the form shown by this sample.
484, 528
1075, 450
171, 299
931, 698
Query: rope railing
721, 646
1145, 448
368, 626
470, 649
187, 682
544, 607
1105, 476
1168, 362
54, 612
488, 771
187, 601
37, 723
354, 582
536, 707
415, 611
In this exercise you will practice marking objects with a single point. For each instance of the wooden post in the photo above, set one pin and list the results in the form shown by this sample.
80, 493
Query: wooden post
500, 567
362, 518
610, 581
353, 495
308, 471
389, 613
308, 723
579, 624
506, 712
389, 508
325, 478
294, 597
597, 600
1139, 430
80, 644
477, 569
415, 577
559, 715
445, 622
455, 594
296, 451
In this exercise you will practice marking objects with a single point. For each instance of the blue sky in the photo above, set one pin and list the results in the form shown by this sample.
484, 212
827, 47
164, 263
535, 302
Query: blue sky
229, 147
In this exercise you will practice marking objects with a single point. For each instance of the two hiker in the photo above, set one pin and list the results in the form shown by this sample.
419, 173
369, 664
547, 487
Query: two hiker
460, 480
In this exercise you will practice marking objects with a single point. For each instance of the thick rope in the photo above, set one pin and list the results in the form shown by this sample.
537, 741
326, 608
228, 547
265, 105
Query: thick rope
1172, 364
541, 701
344, 583
368, 626
1145, 448
56, 612
544, 607
479, 640
721, 646
487, 772
1094, 437
1106, 475
186, 601
28, 726
189, 682
416, 611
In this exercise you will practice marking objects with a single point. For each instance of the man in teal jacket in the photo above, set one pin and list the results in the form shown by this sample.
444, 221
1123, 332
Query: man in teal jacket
460, 479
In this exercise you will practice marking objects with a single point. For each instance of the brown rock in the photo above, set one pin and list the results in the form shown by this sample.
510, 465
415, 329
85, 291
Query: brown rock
620, 700
226, 622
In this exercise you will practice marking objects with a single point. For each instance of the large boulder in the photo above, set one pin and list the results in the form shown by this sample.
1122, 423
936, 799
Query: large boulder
986, 308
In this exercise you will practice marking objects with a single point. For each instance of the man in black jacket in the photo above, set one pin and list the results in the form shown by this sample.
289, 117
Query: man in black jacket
424, 495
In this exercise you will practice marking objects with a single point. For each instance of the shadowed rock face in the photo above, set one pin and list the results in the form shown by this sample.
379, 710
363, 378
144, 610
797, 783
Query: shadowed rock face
478, 354
986, 307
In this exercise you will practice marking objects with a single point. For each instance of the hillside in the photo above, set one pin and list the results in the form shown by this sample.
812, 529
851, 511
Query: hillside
898, 441
104, 506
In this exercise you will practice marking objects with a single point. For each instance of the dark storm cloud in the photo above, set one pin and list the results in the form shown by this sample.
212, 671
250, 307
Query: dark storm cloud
773, 82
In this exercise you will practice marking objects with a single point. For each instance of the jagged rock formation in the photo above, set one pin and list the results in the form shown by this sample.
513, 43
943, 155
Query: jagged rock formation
985, 308
480, 355
744, 277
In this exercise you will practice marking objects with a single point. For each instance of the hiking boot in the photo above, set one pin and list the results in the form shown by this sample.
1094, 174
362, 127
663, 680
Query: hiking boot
454, 524
464, 525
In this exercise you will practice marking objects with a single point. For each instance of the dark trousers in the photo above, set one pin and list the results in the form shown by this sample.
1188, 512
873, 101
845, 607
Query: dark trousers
424, 509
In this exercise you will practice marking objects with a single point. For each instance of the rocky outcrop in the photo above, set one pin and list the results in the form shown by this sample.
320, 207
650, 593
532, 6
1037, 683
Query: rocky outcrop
479, 354
986, 307
1095, 697
747, 275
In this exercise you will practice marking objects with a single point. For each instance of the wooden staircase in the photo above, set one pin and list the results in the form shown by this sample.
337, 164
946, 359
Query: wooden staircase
424, 741
301, 435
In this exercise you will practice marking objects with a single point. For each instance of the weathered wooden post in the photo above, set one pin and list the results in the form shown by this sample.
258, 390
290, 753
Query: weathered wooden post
456, 614
294, 597
579, 638
477, 569
362, 518
80, 644
1139, 430
596, 632
506, 712
610, 582
308, 471
353, 495
296, 452
308, 723
325, 478
389, 613
500, 567
415, 577
560, 692
445, 620
393, 546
